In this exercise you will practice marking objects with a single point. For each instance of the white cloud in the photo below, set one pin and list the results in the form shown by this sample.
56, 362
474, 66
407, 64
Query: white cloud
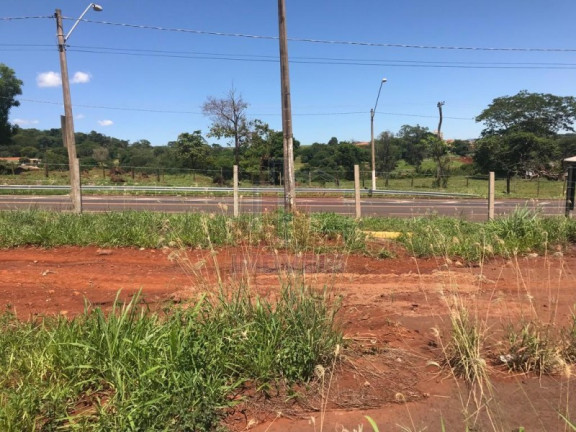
81, 78
48, 79
24, 122
105, 122
80, 116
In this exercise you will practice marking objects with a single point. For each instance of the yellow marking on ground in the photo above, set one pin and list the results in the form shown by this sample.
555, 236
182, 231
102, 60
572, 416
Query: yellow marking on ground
389, 235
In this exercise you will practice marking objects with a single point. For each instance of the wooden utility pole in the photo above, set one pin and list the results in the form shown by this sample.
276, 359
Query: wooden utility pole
68, 132
289, 181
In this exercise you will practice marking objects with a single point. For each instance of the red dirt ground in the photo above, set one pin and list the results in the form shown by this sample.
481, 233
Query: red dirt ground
392, 311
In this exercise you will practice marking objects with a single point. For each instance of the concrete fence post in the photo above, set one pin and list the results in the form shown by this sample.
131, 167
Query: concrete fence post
236, 205
357, 191
491, 181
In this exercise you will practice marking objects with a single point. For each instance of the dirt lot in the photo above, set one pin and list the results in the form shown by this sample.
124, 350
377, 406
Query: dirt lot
392, 311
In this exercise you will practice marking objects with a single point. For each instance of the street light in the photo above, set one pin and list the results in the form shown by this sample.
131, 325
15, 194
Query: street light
68, 120
372, 112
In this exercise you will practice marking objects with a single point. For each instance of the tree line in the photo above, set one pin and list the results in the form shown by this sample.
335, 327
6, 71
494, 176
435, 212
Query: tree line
524, 134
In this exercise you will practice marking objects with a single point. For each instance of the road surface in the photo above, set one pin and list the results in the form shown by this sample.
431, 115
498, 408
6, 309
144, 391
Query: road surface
471, 209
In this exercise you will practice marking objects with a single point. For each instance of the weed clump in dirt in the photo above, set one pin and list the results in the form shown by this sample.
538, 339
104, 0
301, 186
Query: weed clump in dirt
532, 347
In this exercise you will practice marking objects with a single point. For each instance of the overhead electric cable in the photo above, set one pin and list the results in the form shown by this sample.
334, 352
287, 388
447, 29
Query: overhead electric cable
293, 39
323, 41
255, 114
328, 61
26, 17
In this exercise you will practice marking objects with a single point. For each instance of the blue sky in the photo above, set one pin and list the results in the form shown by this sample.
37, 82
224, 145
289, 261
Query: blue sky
139, 83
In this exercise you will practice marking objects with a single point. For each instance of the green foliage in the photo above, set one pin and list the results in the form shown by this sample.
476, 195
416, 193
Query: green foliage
438, 151
515, 152
192, 150
519, 131
262, 159
131, 369
388, 152
414, 149
541, 114
334, 160
10, 87
461, 147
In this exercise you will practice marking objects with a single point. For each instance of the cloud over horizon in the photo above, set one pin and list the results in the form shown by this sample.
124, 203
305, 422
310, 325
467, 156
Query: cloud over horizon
105, 122
24, 122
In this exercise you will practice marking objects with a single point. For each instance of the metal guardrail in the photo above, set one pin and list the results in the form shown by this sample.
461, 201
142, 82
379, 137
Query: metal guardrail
254, 190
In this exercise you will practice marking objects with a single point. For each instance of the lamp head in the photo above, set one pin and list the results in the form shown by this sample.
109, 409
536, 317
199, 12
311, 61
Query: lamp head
384, 80
97, 7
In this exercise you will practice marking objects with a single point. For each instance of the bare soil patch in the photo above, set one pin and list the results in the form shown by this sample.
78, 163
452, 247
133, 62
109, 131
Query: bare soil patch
391, 310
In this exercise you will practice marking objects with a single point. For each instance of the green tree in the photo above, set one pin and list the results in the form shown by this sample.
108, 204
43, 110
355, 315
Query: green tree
29, 152
192, 150
264, 147
10, 87
346, 156
514, 153
567, 145
388, 153
334, 160
438, 150
519, 133
461, 147
538, 113
413, 145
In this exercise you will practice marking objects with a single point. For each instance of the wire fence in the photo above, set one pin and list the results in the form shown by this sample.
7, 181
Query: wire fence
404, 181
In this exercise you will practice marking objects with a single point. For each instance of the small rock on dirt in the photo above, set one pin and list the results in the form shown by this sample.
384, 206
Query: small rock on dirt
103, 252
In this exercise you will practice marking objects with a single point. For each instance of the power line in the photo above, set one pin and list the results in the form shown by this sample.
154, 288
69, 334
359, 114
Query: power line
111, 107
255, 114
321, 60
308, 40
26, 17
322, 41
298, 60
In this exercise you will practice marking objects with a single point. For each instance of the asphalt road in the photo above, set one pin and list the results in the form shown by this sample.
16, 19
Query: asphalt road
471, 209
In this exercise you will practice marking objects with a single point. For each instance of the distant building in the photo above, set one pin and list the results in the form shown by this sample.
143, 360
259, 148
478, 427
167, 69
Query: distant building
31, 164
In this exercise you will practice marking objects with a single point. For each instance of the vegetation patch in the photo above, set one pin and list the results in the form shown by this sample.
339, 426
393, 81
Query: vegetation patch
533, 347
133, 369
521, 232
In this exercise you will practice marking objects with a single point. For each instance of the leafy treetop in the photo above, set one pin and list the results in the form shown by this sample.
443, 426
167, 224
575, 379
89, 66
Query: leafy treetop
538, 113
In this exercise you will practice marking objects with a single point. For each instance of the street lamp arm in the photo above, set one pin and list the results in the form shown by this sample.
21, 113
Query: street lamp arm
373, 151
94, 6
378, 97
